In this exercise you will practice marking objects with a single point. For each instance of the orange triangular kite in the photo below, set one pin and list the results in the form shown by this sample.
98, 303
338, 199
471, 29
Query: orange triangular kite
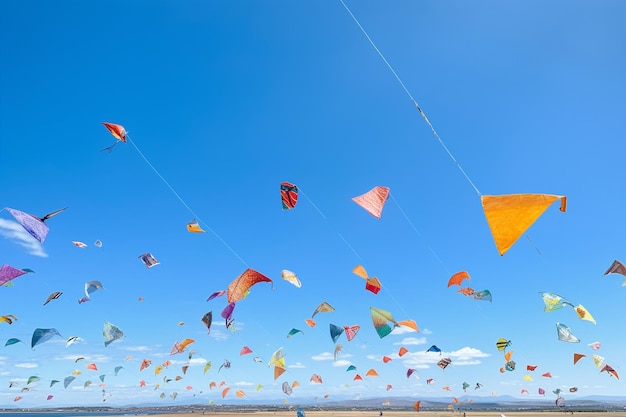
360, 271
386, 359
510, 215
410, 324
278, 371
374, 200
403, 351
577, 357
371, 372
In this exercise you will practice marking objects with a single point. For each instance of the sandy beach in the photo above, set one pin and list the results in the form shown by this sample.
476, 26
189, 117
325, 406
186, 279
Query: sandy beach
476, 413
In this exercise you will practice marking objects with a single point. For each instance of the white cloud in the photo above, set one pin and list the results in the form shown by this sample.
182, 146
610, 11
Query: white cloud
426, 331
27, 365
297, 365
324, 356
15, 232
341, 363
407, 341
138, 348
245, 384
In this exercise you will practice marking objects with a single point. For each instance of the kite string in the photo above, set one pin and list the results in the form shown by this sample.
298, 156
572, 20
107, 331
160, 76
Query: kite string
431, 250
432, 128
184, 203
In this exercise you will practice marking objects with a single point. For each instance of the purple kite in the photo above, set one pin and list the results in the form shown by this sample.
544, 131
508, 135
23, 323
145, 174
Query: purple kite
33, 224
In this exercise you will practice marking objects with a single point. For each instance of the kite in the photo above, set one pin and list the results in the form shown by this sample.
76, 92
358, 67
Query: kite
583, 314
9, 318
278, 371
466, 291
207, 319
594, 345
380, 319
434, 348
225, 365
443, 363
371, 372
616, 268
194, 227
337, 349
577, 357
509, 216
324, 307
43, 335
373, 201
148, 260
245, 350
34, 225
92, 286
225, 391
416, 406
227, 314
277, 359
335, 332
239, 393
484, 295
118, 133
357, 377
502, 344
12, 341
553, 301
609, 370
565, 335
111, 333
402, 351
541, 391
70, 340
144, 364
372, 284
386, 359
351, 368
410, 372
216, 294
457, 278
240, 286
79, 244
430, 381
288, 195
287, 388
531, 367
316, 379
207, 366
179, 347
295, 331
351, 331
117, 369
7, 273
68, 380
597, 360
98, 243
547, 375
33, 379
291, 277
53, 296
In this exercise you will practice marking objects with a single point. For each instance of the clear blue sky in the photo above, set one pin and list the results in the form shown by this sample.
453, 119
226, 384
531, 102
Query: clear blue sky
226, 99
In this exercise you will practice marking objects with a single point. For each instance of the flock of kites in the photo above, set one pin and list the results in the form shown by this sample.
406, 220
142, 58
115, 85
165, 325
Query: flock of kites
508, 216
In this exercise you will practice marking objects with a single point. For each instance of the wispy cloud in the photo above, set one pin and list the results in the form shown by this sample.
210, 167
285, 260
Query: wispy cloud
296, 365
16, 233
341, 363
27, 365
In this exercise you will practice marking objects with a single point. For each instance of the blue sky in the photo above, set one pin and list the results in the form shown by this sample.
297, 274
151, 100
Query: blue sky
228, 99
